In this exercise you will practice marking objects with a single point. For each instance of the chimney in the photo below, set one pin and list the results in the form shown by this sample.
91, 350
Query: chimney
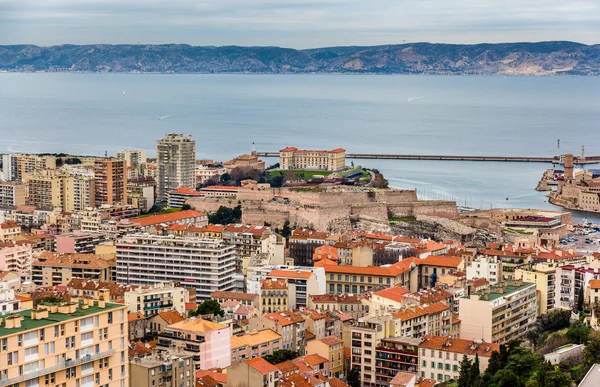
14, 321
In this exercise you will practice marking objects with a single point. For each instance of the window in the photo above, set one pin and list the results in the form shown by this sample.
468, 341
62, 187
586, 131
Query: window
42, 334
87, 368
424, 363
56, 331
447, 367
87, 338
110, 376
4, 344
455, 368
20, 340
110, 317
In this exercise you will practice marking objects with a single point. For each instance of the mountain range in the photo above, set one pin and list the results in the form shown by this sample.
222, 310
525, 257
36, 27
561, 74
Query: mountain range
543, 58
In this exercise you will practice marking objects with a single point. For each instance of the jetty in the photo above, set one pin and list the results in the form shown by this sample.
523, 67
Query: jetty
516, 159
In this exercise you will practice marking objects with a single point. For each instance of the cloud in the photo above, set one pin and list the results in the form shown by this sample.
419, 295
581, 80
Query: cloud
296, 23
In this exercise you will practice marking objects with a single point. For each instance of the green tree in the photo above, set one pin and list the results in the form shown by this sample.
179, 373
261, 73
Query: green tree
186, 207
226, 215
494, 364
592, 352
578, 332
286, 231
353, 377
208, 307
505, 378
474, 372
580, 299
280, 356
225, 178
277, 181
557, 378
464, 374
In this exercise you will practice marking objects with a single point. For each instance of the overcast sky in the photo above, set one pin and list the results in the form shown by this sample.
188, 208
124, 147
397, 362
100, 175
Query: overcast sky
296, 23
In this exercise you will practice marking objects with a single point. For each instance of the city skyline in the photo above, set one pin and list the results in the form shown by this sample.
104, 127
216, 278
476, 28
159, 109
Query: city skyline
297, 24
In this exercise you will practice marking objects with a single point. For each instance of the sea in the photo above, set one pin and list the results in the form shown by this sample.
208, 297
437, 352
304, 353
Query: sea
228, 115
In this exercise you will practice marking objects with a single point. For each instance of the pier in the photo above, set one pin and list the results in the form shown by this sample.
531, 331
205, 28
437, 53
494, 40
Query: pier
515, 159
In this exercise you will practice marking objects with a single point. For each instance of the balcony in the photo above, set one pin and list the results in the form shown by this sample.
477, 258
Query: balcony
61, 366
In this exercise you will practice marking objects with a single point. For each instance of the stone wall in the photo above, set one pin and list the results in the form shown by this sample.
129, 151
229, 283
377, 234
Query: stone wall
439, 208
210, 204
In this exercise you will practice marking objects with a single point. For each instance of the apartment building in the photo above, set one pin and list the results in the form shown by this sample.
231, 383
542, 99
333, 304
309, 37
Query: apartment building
332, 348
417, 321
49, 189
176, 155
253, 372
440, 357
543, 275
31, 163
274, 295
134, 158
593, 292
501, 313
210, 342
289, 324
79, 242
181, 217
352, 304
571, 279
354, 253
434, 266
8, 302
10, 167
247, 299
204, 264
12, 194
354, 279
488, 268
66, 344
205, 173
16, 258
140, 195
320, 160
163, 368
302, 245
111, 181
9, 231
254, 344
160, 297
395, 355
53, 269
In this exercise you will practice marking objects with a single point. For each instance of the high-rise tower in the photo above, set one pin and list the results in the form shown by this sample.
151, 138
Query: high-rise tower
176, 157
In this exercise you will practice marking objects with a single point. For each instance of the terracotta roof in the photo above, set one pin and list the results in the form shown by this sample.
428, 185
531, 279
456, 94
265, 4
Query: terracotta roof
313, 359
241, 296
331, 340
335, 382
187, 191
206, 381
290, 274
214, 228
171, 317
285, 318
197, 325
270, 283
384, 271
47, 258
217, 376
254, 338
478, 282
138, 348
115, 290
434, 260
417, 311
261, 365
402, 379
135, 316
9, 224
286, 367
231, 188
325, 252
191, 306
462, 346
167, 218
325, 262
395, 293
427, 382
336, 298
594, 284
432, 295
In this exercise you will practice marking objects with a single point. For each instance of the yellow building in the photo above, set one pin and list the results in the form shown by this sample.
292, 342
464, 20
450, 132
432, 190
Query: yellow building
68, 344
332, 348
52, 269
12, 194
274, 295
354, 253
30, 163
49, 189
543, 275
320, 160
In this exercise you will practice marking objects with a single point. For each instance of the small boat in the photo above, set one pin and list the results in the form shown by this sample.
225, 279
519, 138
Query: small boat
123, 93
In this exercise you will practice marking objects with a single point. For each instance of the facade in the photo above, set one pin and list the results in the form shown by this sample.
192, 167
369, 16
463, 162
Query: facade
66, 345
434, 266
10, 167
543, 275
12, 194
176, 154
160, 297
8, 302
140, 195
9, 231
111, 181
133, 158
171, 367
205, 173
320, 160
210, 342
30, 163
53, 269
571, 279
203, 264
181, 217
253, 372
332, 348
395, 355
49, 189
247, 299
351, 304
17, 259
79, 242
274, 295
248, 161
488, 268
440, 357
499, 314
254, 344
289, 324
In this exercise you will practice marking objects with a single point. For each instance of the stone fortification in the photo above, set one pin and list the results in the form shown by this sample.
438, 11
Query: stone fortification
326, 208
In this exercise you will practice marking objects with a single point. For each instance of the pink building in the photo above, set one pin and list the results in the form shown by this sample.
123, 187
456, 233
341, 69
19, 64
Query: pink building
17, 259
210, 342
80, 242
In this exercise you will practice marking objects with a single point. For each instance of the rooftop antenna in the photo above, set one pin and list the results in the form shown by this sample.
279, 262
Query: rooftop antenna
558, 144
105, 153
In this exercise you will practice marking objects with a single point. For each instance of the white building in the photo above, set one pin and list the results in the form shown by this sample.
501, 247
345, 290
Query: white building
204, 264
488, 268
10, 167
134, 158
570, 279
161, 297
8, 302
176, 154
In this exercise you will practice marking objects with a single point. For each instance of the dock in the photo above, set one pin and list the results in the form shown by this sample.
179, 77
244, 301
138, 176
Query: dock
514, 159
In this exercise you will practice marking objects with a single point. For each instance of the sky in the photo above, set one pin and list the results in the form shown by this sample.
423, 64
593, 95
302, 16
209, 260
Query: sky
296, 23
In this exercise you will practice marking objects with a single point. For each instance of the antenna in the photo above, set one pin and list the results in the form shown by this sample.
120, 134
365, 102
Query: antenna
105, 153
558, 144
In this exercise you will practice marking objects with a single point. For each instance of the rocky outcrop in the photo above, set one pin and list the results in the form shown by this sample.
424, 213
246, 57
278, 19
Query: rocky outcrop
543, 58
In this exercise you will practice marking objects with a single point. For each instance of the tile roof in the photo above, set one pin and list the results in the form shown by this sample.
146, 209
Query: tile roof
313, 359
166, 218
427, 382
285, 318
135, 316
290, 274
434, 260
286, 367
191, 306
254, 338
395, 293
429, 296
138, 348
330, 340
462, 346
335, 382
402, 379
594, 284
270, 283
47, 258
171, 317
197, 325
217, 376
186, 191
418, 311
325, 262
241, 296
325, 251
336, 298
261, 365
384, 271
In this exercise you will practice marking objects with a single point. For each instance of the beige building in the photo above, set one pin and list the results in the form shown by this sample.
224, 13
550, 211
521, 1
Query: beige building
289, 324
543, 275
52, 269
332, 348
320, 160
253, 372
176, 154
354, 253
254, 344
500, 313
250, 161
163, 368
351, 304
30, 163
12, 194
274, 295
160, 297
68, 344
440, 357
9, 231
49, 188
111, 181
134, 158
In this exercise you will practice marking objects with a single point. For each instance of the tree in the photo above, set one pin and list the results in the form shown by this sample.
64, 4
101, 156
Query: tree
505, 378
474, 372
277, 181
208, 307
280, 356
353, 377
286, 231
464, 374
186, 207
580, 298
225, 178
578, 332
592, 352
226, 215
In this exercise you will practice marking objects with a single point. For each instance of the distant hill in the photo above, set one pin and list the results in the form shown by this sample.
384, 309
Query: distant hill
544, 58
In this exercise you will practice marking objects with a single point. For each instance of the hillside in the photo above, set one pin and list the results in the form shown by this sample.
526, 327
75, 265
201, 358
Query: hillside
544, 58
